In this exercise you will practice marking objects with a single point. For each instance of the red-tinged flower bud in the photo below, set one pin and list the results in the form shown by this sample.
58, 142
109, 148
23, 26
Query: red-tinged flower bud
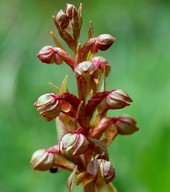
83, 68
49, 159
69, 9
100, 64
101, 168
85, 80
62, 19
115, 99
126, 125
48, 55
88, 75
72, 144
42, 160
49, 106
88, 69
44, 101
104, 41
51, 112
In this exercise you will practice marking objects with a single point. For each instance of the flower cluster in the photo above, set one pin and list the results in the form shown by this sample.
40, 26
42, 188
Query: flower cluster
84, 131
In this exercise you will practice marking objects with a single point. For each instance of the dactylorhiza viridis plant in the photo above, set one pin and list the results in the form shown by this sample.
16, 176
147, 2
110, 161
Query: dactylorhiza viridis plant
84, 131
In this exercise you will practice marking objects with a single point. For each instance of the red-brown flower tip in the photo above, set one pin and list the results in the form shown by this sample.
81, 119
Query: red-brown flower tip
62, 19
104, 41
49, 106
72, 144
115, 99
126, 125
101, 168
69, 9
48, 55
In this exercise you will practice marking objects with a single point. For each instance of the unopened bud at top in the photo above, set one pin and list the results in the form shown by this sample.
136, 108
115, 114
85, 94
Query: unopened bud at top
62, 19
69, 9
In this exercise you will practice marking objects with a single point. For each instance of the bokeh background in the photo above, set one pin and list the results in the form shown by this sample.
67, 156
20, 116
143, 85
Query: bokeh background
140, 61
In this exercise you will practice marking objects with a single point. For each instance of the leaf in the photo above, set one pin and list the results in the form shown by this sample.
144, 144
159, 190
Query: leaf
103, 86
64, 85
56, 40
70, 181
91, 30
57, 89
78, 109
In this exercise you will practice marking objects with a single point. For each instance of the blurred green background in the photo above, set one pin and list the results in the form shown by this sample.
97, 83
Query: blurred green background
140, 61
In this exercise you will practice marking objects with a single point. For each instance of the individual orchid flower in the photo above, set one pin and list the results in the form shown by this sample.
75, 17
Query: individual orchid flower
49, 159
49, 105
102, 42
72, 144
50, 55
